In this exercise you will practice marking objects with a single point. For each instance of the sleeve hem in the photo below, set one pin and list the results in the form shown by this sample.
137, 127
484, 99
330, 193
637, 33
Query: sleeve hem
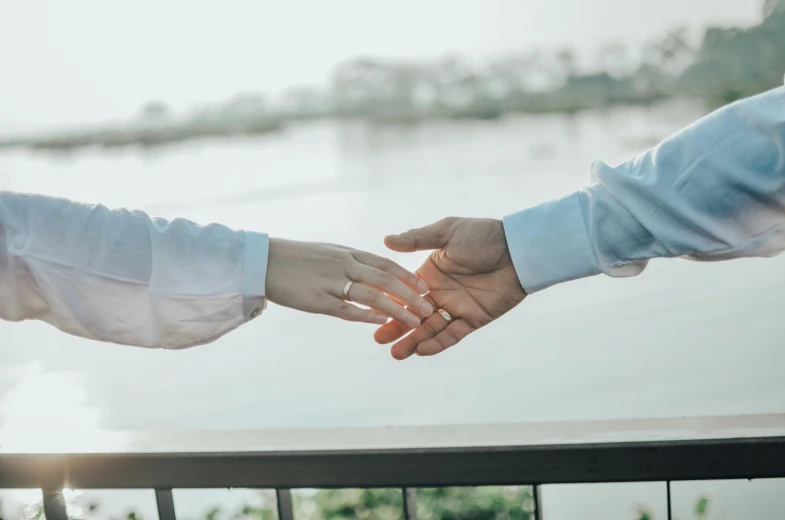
257, 246
549, 244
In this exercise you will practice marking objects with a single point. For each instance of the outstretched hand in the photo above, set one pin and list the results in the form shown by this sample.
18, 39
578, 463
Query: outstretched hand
470, 275
329, 279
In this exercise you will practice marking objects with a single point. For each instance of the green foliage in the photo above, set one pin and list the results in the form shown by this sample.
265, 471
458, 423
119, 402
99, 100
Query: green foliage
453, 503
739, 60
486, 503
702, 507
368, 504
466, 503
772, 6
644, 515
727, 64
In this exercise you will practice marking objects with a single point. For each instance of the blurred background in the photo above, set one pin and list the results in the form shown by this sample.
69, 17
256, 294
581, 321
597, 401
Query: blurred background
347, 120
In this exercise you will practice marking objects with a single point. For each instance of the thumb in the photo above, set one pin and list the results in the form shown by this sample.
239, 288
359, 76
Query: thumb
433, 236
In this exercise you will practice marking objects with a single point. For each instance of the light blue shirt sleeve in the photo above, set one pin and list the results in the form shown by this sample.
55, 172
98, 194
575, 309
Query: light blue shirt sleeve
123, 277
713, 191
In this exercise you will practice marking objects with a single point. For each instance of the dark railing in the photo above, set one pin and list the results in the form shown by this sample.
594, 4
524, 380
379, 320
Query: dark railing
666, 450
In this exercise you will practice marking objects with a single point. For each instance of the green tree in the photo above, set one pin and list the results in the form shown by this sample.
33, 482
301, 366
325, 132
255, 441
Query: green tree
155, 111
772, 6
702, 507
464, 503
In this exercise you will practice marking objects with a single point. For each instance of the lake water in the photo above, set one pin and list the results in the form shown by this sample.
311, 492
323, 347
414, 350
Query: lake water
681, 339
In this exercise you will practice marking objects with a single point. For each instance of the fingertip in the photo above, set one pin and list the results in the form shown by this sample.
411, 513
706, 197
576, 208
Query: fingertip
422, 286
397, 243
403, 349
379, 336
399, 356
387, 333
422, 352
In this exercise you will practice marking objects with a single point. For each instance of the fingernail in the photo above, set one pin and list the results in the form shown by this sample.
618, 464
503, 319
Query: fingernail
422, 286
427, 309
381, 320
413, 321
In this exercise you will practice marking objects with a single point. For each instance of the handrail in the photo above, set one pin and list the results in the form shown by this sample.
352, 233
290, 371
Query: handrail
742, 447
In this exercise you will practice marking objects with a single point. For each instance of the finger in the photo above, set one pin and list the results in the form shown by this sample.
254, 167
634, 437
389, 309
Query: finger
395, 330
433, 236
391, 285
347, 311
414, 310
427, 330
452, 334
388, 266
390, 332
365, 295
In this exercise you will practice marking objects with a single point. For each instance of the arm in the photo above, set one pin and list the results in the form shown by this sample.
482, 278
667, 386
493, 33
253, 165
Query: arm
123, 277
714, 191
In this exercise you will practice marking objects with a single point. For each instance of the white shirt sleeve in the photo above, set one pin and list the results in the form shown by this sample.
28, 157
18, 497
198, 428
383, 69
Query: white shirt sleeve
713, 191
122, 277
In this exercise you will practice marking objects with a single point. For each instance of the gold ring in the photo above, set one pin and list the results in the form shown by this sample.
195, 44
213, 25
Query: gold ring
346, 290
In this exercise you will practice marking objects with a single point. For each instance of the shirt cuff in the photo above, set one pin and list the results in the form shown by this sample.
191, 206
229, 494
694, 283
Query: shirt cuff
549, 244
257, 246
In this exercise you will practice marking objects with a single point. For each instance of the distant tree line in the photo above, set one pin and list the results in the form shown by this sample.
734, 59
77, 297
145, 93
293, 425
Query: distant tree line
726, 64
722, 66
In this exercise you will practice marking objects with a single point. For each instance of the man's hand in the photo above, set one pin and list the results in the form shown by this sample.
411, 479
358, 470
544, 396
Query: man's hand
470, 275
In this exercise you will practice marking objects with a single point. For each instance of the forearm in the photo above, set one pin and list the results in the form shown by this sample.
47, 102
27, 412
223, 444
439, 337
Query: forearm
123, 277
713, 191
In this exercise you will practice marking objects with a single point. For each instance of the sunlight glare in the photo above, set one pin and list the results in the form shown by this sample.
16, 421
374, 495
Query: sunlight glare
46, 413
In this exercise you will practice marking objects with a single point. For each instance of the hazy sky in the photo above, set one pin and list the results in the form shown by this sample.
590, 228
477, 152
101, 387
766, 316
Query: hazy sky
79, 60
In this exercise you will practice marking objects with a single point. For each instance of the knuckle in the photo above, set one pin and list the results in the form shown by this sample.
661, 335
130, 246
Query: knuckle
402, 314
374, 298
386, 279
430, 328
447, 338
319, 300
346, 258
386, 264
346, 310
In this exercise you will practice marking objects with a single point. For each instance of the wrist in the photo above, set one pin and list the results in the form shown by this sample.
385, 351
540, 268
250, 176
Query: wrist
255, 268
549, 244
275, 275
507, 260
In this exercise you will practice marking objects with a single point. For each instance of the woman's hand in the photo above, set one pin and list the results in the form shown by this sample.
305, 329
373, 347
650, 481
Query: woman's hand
311, 277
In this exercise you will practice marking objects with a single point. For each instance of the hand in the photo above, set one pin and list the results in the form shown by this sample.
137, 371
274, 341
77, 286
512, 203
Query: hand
470, 275
311, 277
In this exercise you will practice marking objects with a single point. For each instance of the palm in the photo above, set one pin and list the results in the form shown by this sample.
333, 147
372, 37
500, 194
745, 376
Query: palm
471, 277
477, 285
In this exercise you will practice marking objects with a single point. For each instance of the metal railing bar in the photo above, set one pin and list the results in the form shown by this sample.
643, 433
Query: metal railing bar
537, 496
285, 507
54, 504
668, 492
409, 503
477, 466
165, 502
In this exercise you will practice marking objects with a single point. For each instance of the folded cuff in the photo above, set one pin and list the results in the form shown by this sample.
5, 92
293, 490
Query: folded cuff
257, 246
549, 245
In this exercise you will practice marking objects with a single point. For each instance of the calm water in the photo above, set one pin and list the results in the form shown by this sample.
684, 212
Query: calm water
681, 339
